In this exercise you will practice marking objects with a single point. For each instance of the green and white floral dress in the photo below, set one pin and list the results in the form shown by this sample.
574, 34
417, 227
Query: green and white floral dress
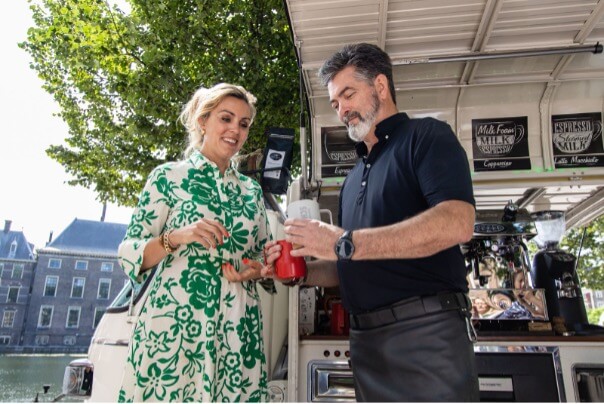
199, 337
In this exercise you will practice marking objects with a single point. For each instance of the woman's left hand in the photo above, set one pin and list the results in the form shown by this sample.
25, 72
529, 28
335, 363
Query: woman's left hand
253, 269
249, 270
246, 273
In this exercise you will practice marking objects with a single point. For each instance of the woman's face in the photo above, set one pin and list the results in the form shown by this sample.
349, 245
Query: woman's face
226, 130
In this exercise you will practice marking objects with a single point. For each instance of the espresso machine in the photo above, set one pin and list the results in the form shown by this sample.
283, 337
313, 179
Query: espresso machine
498, 272
555, 271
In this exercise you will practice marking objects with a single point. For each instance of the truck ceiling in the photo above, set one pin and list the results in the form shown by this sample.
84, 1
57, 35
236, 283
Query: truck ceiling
523, 62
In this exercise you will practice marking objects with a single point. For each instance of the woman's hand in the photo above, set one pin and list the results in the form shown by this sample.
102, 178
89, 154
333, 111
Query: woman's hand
254, 269
250, 271
206, 232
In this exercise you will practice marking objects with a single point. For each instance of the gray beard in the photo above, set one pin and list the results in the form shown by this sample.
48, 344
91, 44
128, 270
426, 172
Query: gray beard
359, 132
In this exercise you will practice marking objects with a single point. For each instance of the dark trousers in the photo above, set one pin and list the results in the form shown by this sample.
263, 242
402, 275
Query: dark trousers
426, 358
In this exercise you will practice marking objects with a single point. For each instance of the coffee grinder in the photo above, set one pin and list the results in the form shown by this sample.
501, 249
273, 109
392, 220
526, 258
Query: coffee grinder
555, 271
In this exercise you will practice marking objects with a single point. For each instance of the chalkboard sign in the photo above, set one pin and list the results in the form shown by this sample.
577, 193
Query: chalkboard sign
577, 140
338, 153
500, 144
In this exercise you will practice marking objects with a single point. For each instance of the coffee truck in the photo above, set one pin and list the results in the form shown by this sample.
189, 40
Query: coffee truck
521, 83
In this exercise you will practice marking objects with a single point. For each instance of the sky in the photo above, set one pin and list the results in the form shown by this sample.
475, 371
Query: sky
34, 193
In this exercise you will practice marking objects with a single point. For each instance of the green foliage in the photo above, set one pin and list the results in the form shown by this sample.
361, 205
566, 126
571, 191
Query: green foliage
593, 315
591, 261
121, 79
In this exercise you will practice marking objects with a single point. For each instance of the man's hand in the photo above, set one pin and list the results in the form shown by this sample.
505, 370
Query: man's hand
315, 238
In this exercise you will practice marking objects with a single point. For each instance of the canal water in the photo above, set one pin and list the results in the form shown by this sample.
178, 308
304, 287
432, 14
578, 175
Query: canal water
22, 376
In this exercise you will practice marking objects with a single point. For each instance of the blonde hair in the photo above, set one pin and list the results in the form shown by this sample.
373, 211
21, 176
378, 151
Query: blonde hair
203, 102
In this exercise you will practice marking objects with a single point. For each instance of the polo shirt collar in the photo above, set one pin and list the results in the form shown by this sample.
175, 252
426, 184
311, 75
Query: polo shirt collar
385, 127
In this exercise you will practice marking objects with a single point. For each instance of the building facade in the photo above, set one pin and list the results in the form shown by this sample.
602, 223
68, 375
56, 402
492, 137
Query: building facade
17, 263
77, 277
594, 299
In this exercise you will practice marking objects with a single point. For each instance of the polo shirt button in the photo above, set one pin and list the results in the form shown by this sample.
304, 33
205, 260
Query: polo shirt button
387, 136
363, 183
368, 165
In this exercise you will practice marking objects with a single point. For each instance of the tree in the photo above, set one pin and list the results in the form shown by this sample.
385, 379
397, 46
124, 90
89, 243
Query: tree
591, 255
594, 315
121, 79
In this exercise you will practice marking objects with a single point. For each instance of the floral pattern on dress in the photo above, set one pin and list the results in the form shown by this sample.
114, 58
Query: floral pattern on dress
199, 337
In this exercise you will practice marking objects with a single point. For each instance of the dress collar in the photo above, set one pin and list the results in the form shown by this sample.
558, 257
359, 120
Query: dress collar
199, 160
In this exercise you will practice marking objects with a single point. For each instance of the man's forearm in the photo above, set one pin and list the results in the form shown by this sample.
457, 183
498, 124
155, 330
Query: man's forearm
434, 230
322, 273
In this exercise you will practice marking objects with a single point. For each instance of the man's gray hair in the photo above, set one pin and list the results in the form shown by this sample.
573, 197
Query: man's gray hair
368, 60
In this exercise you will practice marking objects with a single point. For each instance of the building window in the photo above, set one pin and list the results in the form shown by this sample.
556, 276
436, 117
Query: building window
73, 317
4, 339
18, 271
98, 313
3, 270
81, 265
50, 288
13, 294
45, 318
69, 340
13, 249
104, 289
54, 263
599, 294
77, 287
107, 266
8, 318
42, 339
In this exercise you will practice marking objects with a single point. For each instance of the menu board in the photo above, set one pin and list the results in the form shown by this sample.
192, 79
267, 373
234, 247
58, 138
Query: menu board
338, 152
500, 144
577, 140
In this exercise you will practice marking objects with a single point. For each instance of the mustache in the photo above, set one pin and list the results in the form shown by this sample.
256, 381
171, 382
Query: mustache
352, 115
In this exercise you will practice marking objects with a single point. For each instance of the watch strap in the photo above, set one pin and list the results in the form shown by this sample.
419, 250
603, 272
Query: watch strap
345, 238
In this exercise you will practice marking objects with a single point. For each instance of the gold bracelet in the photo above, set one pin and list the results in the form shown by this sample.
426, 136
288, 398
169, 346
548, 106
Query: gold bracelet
166, 242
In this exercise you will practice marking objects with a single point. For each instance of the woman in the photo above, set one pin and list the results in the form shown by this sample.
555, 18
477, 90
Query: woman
199, 336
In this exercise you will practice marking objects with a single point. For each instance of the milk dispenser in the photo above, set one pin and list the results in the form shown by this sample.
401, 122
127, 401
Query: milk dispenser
555, 270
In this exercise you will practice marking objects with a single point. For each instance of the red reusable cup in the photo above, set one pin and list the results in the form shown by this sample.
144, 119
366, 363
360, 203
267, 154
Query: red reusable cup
288, 267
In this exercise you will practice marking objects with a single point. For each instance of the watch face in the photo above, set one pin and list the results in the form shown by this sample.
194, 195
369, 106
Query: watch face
345, 248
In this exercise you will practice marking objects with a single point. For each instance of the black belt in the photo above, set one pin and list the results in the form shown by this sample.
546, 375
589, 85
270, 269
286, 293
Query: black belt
409, 308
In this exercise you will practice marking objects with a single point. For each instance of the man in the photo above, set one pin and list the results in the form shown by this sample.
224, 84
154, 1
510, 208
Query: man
404, 209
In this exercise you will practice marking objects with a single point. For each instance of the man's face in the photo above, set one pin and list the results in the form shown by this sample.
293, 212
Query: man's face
355, 101
481, 306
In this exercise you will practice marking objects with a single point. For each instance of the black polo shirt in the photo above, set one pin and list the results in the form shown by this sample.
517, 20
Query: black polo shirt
416, 164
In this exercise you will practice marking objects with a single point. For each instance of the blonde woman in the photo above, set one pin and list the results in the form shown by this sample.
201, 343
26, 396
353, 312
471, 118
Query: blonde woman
199, 337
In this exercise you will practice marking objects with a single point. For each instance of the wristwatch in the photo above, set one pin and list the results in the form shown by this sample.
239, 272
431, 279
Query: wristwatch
345, 247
